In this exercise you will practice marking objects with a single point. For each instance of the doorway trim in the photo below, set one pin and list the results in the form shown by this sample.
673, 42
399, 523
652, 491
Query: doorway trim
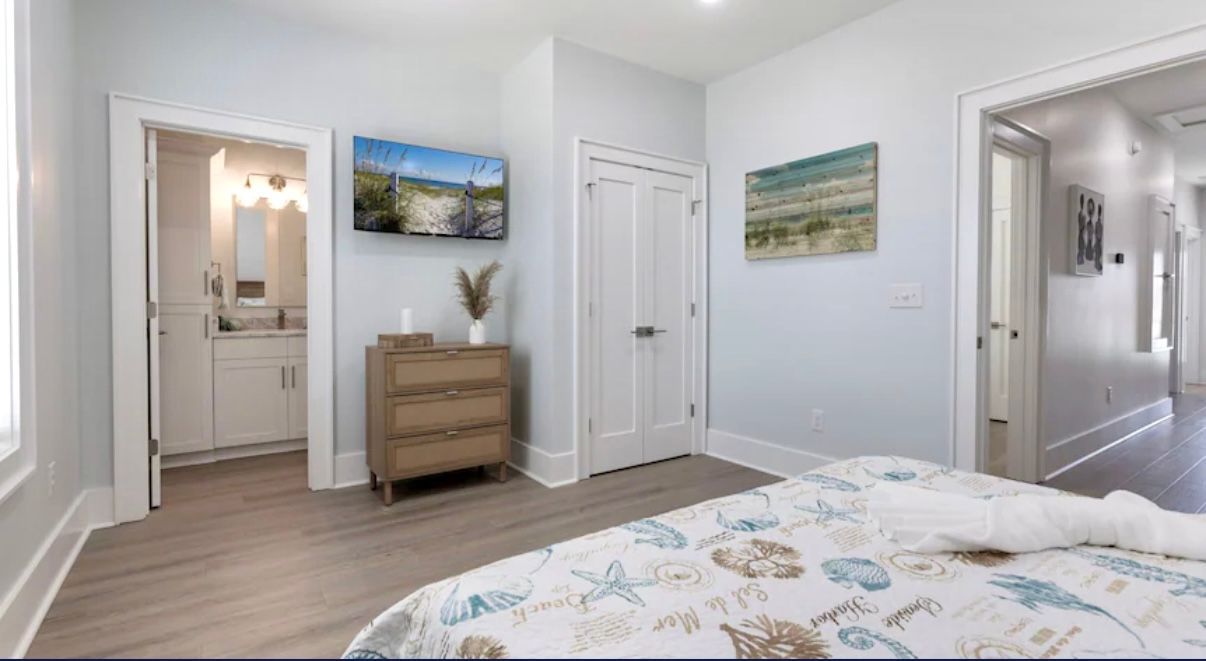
972, 110
586, 149
129, 117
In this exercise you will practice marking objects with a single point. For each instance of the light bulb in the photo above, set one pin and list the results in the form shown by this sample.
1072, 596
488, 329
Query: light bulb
245, 196
303, 203
277, 200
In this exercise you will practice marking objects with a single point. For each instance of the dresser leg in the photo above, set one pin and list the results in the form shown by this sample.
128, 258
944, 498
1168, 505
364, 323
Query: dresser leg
388, 493
372, 481
502, 472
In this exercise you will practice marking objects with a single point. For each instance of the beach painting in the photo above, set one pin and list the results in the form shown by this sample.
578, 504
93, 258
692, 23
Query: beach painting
408, 189
814, 206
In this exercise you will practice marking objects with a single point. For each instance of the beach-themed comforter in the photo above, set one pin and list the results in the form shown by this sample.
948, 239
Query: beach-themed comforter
795, 570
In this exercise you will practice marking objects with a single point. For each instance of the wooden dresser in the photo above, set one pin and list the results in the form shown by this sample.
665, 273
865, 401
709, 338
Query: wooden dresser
435, 409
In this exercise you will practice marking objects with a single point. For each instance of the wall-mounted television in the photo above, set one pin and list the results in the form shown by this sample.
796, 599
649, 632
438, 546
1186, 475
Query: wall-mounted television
408, 189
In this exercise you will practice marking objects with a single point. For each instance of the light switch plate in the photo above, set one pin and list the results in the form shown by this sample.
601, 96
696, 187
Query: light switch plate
905, 295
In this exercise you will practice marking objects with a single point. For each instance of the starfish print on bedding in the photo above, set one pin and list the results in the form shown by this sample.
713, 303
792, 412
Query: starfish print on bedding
615, 582
826, 512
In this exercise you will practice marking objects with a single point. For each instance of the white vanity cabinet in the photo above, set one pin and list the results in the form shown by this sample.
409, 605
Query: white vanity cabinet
259, 390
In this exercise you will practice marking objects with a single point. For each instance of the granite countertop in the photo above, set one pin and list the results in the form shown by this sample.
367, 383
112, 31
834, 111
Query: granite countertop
261, 332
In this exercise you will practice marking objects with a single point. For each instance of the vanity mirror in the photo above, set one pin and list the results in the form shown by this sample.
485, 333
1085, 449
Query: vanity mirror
270, 256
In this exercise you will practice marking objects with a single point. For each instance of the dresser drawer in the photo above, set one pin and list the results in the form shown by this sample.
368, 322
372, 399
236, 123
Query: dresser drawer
451, 368
414, 414
417, 455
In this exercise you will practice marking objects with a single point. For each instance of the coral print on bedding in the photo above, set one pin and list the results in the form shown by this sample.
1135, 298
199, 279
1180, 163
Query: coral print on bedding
795, 569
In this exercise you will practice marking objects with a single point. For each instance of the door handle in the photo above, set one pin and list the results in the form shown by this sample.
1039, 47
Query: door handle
293, 376
205, 283
282, 377
996, 325
207, 325
646, 331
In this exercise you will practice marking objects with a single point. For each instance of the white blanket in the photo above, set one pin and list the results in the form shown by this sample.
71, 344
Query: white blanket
928, 521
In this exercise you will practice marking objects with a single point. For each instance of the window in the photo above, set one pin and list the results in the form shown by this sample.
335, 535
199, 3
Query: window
16, 450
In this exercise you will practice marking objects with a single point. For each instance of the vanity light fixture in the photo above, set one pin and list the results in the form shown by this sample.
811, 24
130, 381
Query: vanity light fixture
277, 194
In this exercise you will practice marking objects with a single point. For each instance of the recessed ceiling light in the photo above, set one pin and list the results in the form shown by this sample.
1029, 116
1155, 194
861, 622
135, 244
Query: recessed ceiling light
709, 2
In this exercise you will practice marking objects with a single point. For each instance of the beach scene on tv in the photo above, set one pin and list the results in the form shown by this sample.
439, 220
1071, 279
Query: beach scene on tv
410, 189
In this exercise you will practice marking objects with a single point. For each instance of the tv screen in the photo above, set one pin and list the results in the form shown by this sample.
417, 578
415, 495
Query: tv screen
408, 189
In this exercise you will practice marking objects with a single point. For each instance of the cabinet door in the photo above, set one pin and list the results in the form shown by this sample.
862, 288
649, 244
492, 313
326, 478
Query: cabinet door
251, 401
186, 405
299, 407
184, 234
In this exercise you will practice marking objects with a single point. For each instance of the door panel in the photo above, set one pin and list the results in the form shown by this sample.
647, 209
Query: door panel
668, 308
251, 403
299, 404
152, 259
186, 379
618, 428
184, 236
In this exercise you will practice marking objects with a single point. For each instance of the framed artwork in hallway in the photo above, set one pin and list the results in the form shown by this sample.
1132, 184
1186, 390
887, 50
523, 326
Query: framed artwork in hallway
1086, 219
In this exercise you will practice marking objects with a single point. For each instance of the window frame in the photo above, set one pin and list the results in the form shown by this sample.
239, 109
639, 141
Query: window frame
18, 461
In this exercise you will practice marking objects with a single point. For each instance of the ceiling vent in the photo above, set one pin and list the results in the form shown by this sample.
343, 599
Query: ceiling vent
1181, 120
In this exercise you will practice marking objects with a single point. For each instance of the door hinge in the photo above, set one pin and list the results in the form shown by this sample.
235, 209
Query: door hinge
692, 410
149, 171
979, 342
153, 447
692, 309
694, 204
152, 310
590, 188
590, 426
590, 309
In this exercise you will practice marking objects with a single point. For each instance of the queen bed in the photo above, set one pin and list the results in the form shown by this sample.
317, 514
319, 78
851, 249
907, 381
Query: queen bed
795, 569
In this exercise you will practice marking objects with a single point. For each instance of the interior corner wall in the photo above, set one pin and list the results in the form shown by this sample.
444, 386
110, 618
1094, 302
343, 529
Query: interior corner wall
29, 515
560, 92
1093, 323
790, 335
227, 56
599, 97
525, 121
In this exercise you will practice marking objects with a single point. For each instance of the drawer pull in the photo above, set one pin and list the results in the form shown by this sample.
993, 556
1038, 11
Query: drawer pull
451, 433
452, 393
452, 352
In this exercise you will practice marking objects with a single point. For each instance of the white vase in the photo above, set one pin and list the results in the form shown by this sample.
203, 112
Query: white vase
477, 332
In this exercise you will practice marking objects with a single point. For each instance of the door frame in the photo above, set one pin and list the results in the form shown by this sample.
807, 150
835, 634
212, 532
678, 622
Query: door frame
1190, 234
972, 112
1028, 298
129, 117
585, 150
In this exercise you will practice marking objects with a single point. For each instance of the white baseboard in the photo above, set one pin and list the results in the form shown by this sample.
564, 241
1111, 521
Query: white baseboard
551, 470
1075, 450
236, 452
350, 470
762, 455
22, 610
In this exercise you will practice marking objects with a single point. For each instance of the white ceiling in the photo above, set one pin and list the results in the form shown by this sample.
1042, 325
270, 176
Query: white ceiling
690, 39
1177, 88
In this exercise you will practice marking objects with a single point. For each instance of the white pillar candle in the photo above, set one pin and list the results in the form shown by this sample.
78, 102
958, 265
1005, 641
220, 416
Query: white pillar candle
408, 320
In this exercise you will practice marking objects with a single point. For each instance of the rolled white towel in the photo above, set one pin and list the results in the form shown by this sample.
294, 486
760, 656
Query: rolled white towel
929, 521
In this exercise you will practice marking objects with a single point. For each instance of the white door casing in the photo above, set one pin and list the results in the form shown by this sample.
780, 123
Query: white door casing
130, 241
1192, 282
640, 238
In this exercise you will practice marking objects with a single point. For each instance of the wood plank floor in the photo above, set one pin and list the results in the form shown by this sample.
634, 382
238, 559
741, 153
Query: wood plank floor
243, 561
1166, 463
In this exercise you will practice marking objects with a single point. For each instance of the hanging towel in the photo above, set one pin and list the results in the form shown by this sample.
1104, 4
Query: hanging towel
928, 521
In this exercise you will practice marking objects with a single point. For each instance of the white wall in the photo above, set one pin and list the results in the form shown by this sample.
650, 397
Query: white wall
795, 334
212, 55
1186, 197
1093, 323
526, 137
29, 515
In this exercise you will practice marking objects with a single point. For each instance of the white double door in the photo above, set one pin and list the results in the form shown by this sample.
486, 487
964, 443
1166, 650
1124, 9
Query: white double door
643, 265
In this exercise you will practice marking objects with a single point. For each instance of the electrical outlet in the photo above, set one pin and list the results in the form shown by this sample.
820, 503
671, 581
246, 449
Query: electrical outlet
818, 420
907, 295
1109, 394
50, 479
